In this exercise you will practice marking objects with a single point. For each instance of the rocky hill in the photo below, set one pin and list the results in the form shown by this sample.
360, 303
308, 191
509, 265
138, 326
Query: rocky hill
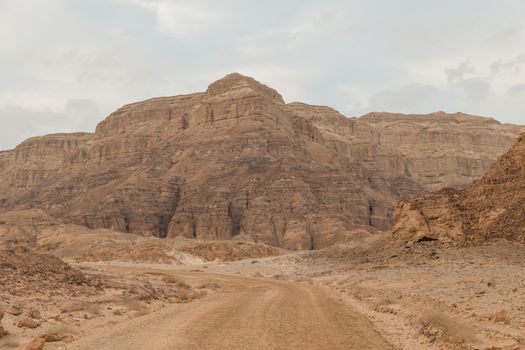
236, 161
493, 207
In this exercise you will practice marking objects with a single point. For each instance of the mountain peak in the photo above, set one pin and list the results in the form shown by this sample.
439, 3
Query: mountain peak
236, 84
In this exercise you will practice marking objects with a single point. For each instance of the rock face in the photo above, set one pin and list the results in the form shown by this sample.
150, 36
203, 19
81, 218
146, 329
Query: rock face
493, 207
238, 162
443, 150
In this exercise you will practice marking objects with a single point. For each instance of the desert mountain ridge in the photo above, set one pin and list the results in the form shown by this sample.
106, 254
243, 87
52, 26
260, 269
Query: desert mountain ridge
237, 162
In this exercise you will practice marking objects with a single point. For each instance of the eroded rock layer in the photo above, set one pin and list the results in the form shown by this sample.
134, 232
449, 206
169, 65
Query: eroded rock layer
236, 161
493, 207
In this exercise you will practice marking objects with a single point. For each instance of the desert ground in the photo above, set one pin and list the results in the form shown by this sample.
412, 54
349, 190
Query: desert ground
187, 294
155, 196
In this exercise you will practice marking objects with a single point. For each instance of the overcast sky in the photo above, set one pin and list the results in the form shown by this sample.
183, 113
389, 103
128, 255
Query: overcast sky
66, 64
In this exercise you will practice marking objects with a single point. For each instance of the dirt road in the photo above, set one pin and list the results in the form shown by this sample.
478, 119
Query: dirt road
247, 313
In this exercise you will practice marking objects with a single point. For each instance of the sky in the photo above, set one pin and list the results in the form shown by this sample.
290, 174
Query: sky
67, 64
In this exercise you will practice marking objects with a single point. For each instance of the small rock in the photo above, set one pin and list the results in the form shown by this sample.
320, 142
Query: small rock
501, 316
14, 310
68, 339
36, 344
53, 337
3, 332
27, 323
1, 314
34, 313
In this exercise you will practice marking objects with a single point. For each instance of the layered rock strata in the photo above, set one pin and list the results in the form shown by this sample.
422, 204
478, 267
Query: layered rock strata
237, 162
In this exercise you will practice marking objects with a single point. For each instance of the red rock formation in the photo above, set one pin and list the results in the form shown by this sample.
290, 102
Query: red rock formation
237, 162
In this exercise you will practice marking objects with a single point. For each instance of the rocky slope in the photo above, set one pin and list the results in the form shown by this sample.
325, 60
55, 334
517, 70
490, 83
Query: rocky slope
238, 162
491, 208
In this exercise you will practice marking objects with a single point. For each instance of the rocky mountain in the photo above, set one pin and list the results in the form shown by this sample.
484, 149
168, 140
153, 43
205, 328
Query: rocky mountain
493, 207
237, 161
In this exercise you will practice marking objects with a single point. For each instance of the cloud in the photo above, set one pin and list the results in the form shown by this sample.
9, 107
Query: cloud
181, 18
476, 88
459, 73
517, 89
77, 115
83, 113
20, 123
464, 77
498, 66
406, 99
506, 32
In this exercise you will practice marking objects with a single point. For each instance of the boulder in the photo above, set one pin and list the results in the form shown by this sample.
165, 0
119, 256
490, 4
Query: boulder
36, 344
27, 323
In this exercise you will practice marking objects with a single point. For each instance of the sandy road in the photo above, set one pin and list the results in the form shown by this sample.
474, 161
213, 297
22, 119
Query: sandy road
247, 313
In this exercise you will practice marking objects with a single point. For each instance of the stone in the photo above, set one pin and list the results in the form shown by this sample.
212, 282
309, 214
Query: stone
237, 162
53, 337
3, 332
27, 323
14, 310
68, 339
35, 314
501, 316
36, 344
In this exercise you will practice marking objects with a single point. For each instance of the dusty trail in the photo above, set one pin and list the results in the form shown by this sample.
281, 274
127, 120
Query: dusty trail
248, 313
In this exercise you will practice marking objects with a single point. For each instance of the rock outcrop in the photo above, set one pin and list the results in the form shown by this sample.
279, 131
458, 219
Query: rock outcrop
237, 162
440, 149
493, 207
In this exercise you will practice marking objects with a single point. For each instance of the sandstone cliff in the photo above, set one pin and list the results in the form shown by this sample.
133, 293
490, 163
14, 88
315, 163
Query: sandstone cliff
443, 150
237, 162
492, 207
